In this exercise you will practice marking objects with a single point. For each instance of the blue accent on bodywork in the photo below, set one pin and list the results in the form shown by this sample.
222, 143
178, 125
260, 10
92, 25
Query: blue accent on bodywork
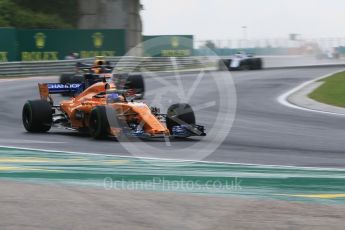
113, 97
135, 133
181, 131
188, 130
65, 88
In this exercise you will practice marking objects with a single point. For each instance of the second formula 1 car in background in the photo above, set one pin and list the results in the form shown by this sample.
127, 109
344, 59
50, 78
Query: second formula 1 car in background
241, 61
88, 74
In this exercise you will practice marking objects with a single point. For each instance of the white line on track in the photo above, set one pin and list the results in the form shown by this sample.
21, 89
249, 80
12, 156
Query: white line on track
178, 160
283, 99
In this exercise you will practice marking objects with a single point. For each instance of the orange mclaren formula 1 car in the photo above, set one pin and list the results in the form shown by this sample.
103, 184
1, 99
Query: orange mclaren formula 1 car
102, 110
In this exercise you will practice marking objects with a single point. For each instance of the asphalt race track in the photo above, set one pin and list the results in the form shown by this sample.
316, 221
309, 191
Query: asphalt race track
264, 131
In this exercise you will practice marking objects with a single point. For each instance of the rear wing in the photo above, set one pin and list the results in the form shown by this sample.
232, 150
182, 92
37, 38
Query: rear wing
46, 89
107, 68
80, 65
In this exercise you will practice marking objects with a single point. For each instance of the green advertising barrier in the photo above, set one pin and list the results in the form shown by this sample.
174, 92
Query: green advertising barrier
168, 45
47, 44
8, 44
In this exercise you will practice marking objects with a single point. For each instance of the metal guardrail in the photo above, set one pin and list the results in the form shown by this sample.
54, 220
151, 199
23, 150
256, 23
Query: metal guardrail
127, 63
145, 64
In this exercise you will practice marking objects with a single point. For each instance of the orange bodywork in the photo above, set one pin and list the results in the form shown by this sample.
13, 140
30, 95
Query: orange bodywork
125, 111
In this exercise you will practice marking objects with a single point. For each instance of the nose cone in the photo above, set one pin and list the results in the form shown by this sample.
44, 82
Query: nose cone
152, 125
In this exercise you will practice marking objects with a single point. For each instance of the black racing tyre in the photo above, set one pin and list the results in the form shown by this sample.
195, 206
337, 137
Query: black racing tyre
99, 123
136, 82
66, 78
77, 79
179, 114
37, 116
257, 63
245, 65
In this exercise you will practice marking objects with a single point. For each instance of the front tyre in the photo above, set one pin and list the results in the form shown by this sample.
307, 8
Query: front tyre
37, 116
179, 114
98, 123
137, 83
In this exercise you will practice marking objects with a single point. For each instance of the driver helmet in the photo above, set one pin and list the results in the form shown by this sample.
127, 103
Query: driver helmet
113, 97
99, 61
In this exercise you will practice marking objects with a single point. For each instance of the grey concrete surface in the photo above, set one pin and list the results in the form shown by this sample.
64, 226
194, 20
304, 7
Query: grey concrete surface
264, 131
45, 206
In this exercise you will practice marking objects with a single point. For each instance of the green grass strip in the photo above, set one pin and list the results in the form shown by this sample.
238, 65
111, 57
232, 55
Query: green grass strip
332, 91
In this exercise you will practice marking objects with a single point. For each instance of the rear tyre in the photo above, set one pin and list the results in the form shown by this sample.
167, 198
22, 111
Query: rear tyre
66, 78
136, 82
256, 64
77, 79
37, 116
245, 65
98, 123
259, 63
179, 114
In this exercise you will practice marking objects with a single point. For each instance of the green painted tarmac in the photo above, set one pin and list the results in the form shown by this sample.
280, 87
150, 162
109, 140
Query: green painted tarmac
114, 172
